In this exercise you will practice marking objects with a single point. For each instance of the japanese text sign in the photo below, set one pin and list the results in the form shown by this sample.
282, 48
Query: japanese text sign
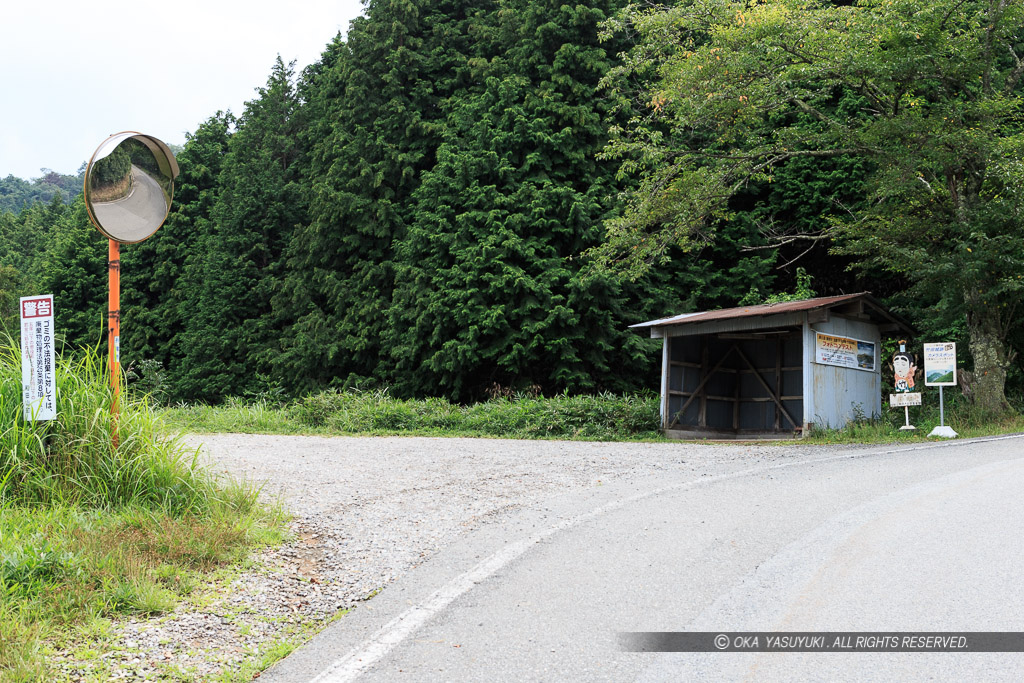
38, 382
940, 364
844, 352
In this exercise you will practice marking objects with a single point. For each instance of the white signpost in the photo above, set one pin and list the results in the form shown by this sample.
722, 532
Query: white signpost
940, 371
38, 383
940, 364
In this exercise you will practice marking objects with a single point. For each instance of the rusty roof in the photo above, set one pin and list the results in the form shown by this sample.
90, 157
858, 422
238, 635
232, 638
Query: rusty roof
763, 310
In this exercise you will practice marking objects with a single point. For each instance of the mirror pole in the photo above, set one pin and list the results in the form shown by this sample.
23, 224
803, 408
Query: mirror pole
114, 332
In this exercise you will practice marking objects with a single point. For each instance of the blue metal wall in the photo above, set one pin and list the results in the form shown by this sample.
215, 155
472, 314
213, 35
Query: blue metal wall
836, 395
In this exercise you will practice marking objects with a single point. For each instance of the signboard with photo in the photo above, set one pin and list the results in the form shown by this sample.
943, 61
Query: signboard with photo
940, 364
845, 352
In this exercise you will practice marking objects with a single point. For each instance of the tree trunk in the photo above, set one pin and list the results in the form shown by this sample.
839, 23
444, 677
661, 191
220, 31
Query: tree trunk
991, 360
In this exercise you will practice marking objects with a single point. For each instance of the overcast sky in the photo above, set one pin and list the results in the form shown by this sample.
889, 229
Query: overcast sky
76, 71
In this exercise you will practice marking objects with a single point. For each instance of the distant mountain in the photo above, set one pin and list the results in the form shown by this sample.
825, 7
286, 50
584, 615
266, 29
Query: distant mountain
17, 193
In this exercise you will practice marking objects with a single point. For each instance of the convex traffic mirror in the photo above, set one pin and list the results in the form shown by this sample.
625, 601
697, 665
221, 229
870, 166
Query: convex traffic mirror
129, 183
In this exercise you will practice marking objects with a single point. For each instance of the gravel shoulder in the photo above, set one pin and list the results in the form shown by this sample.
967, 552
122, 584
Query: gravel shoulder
367, 511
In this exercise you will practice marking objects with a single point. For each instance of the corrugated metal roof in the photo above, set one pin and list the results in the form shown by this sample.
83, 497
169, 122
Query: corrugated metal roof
765, 310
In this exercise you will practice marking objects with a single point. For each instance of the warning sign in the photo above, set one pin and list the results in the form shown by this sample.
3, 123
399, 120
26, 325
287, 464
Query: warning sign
38, 382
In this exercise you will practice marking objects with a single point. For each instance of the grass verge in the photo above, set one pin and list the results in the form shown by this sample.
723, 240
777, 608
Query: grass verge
603, 417
89, 530
965, 419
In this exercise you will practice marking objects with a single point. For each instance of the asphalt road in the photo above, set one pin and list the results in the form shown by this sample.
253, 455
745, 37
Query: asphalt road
136, 216
914, 539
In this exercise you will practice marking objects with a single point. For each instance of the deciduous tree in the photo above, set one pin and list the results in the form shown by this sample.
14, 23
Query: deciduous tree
927, 93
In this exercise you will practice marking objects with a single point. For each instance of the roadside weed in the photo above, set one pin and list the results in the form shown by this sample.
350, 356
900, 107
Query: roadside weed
90, 531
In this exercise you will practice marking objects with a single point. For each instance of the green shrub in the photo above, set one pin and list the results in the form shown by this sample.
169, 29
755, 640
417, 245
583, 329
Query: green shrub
602, 416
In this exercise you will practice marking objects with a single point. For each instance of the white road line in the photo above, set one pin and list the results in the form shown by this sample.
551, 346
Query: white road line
372, 650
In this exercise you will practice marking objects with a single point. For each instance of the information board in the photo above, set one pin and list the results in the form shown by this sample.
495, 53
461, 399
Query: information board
940, 364
845, 352
38, 381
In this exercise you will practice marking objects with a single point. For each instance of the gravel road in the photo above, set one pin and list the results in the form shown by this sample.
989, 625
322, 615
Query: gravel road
367, 510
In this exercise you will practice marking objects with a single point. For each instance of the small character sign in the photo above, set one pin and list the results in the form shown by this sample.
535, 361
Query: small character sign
904, 367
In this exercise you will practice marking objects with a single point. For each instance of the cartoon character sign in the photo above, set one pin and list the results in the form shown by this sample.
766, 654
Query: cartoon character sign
904, 367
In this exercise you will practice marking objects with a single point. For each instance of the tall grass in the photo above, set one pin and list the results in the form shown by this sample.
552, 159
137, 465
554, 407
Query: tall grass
73, 461
91, 529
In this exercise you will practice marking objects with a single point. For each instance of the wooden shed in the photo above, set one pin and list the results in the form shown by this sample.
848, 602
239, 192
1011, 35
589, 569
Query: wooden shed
773, 369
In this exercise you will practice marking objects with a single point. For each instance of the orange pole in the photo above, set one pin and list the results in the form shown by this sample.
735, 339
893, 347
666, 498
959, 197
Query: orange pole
114, 331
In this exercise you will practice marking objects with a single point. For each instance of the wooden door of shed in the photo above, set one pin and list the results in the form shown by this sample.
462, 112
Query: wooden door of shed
736, 383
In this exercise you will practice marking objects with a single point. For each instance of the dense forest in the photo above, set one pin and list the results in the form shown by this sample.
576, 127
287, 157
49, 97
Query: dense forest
436, 205
17, 193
